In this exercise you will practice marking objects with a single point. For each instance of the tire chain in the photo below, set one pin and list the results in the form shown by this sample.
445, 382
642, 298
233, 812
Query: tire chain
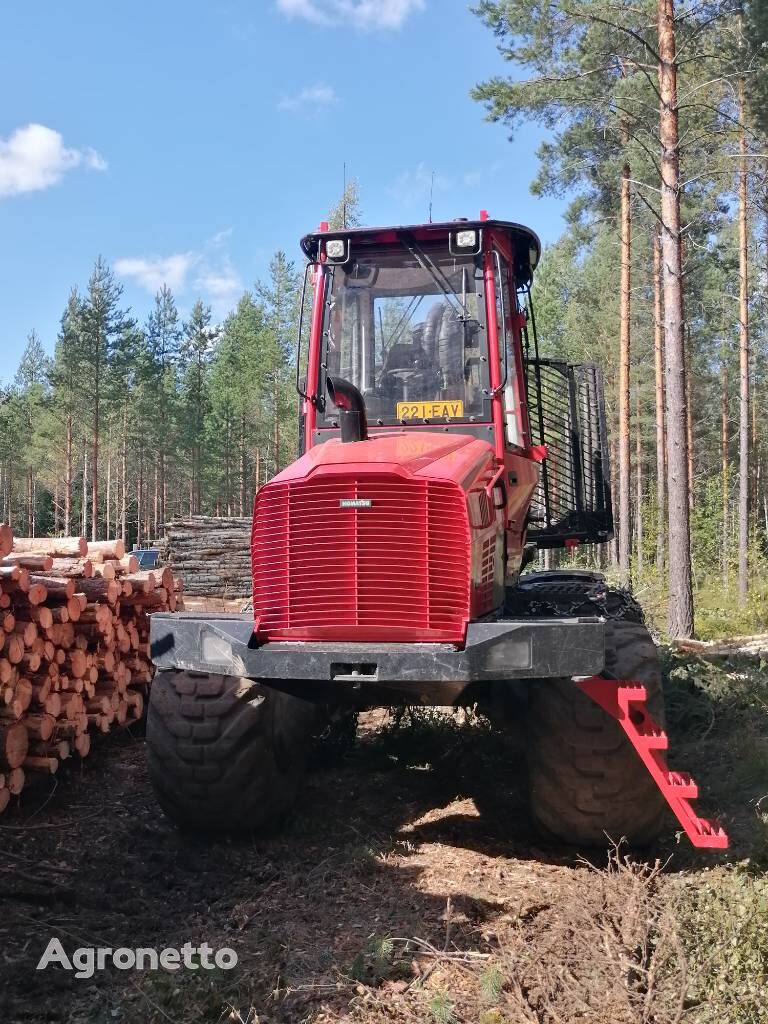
552, 598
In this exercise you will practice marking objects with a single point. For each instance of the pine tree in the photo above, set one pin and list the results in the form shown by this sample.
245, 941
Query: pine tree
102, 321
756, 19
128, 390
163, 338
347, 212
31, 386
680, 615
196, 351
240, 389
279, 298
67, 393
586, 79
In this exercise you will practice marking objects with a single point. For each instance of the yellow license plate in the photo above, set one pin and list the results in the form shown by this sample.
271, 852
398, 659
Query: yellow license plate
430, 410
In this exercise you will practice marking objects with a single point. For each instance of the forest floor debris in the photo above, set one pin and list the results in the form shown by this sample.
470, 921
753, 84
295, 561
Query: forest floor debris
389, 897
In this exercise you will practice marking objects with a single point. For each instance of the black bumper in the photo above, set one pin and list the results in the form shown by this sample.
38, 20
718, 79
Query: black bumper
513, 649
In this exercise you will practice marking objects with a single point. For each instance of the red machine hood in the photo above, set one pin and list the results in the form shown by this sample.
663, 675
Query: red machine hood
439, 456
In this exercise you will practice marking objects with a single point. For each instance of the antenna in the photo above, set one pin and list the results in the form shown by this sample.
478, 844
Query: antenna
431, 194
344, 197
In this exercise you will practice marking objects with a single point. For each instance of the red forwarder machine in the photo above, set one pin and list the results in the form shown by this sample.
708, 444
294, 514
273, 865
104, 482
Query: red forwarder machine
439, 452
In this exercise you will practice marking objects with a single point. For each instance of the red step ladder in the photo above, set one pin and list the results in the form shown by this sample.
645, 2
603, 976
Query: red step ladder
625, 701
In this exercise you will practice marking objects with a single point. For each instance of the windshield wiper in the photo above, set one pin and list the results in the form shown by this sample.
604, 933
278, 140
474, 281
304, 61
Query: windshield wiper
404, 321
426, 262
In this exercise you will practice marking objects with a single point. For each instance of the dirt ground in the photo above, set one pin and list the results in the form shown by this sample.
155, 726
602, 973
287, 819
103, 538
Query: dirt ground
387, 896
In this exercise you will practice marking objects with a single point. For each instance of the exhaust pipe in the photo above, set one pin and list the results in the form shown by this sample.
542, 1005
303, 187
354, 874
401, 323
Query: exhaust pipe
351, 405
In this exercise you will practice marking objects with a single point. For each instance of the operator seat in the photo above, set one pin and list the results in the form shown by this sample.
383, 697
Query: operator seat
432, 327
405, 356
444, 342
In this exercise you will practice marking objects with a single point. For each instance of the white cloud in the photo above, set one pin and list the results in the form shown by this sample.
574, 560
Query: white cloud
415, 186
34, 157
207, 272
303, 9
364, 14
221, 287
94, 160
477, 177
153, 272
313, 96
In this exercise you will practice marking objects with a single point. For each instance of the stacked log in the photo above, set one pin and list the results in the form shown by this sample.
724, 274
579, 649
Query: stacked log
74, 648
210, 555
755, 646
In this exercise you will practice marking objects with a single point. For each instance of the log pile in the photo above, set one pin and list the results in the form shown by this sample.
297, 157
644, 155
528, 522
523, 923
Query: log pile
74, 648
711, 650
210, 555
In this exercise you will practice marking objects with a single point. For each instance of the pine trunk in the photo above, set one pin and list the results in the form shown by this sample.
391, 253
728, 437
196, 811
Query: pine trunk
108, 509
689, 420
639, 488
614, 490
243, 469
30, 502
658, 354
95, 467
624, 398
724, 458
227, 474
68, 480
140, 500
85, 491
743, 362
124, 480
680, 611
160, 490
276, 404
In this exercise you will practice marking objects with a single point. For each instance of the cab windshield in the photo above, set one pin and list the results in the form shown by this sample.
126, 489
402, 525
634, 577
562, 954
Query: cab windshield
407, 327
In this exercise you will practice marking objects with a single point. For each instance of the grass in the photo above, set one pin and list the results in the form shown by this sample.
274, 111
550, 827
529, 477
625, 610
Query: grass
722, 919
716, 610
718, 614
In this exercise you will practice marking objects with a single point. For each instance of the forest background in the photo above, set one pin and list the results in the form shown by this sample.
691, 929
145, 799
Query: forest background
657, 131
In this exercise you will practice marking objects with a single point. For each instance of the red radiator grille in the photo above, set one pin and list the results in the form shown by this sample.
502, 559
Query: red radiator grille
398, 570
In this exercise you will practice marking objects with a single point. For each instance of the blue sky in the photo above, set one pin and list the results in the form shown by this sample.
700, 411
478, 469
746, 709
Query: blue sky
187, 141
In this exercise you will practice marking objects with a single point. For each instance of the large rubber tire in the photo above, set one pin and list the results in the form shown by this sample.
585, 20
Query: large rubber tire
226, 755
586, 781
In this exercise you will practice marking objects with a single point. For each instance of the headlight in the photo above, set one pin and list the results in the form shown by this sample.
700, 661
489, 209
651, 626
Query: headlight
466, 239
336, 249
215, 649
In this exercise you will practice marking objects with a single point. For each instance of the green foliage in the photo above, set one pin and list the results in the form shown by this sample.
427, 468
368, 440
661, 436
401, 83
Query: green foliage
757, 36
441, 1008
491, 984
717, 611
375, 963
724, 930
179, 412
587, 73
736, 682
347, 212
493, 1016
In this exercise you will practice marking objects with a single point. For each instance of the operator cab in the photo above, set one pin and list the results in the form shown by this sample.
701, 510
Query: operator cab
408, 335
406, 321
433, 327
